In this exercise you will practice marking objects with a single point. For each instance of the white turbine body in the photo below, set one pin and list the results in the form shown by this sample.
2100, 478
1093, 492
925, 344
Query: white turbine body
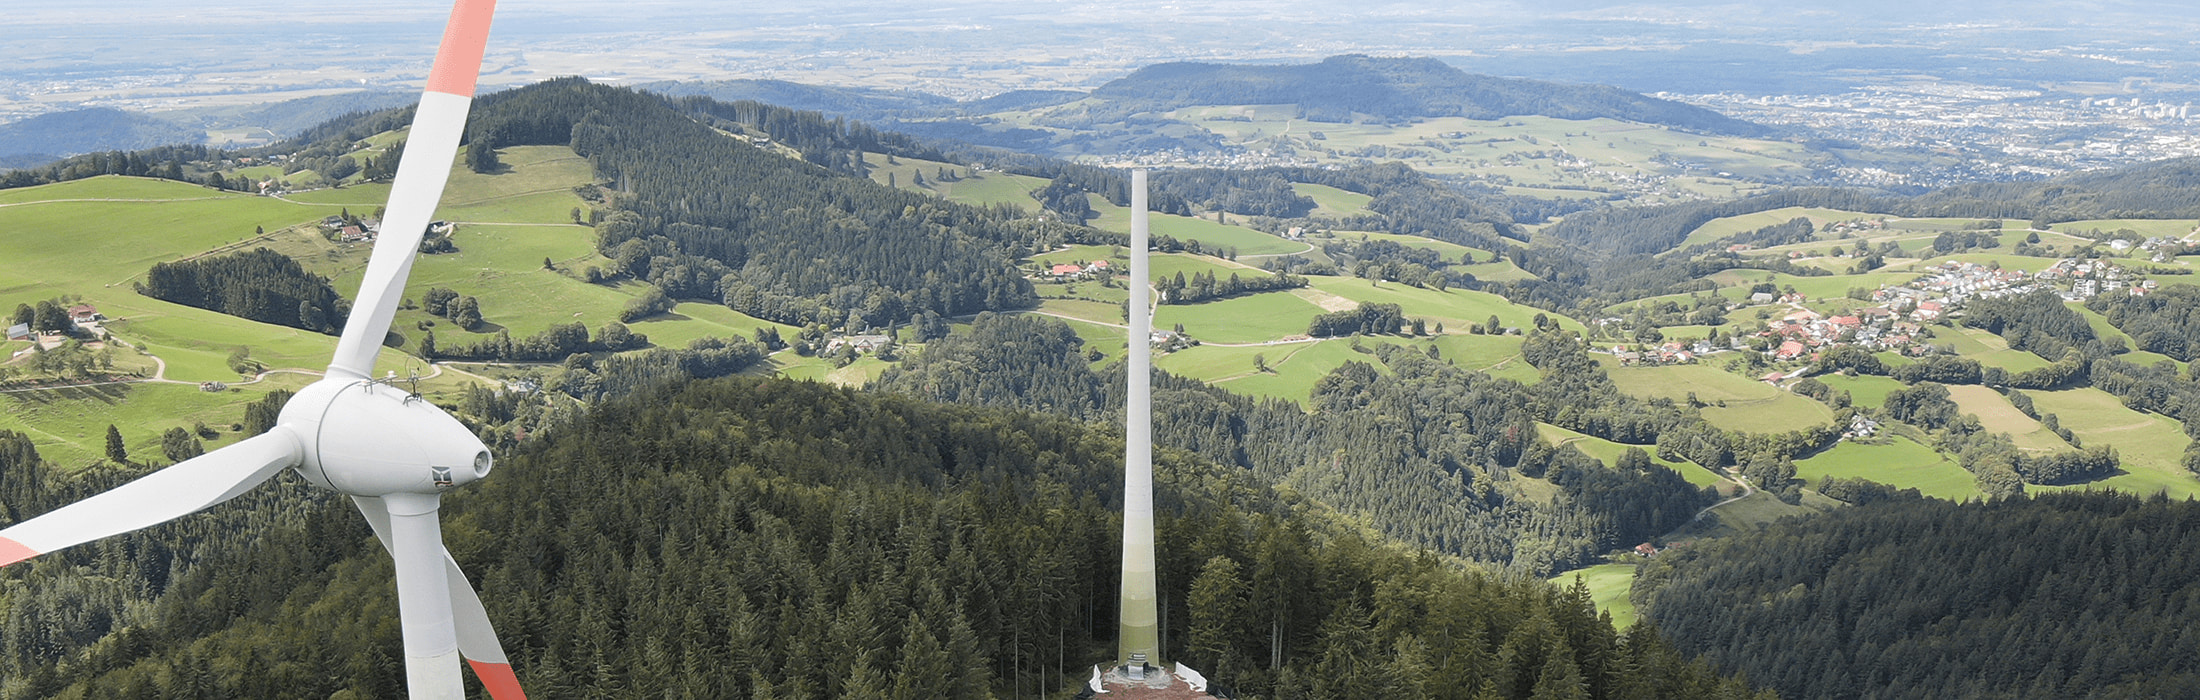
392, 452
1138, 628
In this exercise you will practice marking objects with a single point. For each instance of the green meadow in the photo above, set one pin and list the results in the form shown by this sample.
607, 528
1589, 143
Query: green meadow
1252, 318
2150, 445
1749, 405
1609, 453
1900, 462
1608, 585
1184, 228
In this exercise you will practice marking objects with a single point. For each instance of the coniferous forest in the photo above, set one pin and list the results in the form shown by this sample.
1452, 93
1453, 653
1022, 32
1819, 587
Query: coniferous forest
741, 538
2064, 595
259, 284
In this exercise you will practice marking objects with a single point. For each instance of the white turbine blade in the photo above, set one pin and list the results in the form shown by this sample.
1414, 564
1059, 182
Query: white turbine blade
477, 639
436, 128
423, 597
179, 490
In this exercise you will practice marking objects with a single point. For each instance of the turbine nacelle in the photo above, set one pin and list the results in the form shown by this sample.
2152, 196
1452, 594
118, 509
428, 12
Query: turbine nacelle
366, 438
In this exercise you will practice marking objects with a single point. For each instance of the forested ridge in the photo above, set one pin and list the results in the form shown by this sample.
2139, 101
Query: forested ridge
2063, 595
708, 216
1423, 450
1340, 87
762, 538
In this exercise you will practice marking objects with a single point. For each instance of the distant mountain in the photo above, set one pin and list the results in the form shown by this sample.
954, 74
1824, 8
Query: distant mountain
291, 117
859, 103
47, 137
1340, 87
50, 137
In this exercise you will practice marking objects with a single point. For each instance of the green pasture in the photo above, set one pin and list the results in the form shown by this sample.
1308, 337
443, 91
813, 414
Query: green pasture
1609, 453
1450, 251
1455, 308
2171, 228
1997, 415
2150, 445
106, 187
1901, 463
1093, 311
1246, 319
1864, 390
1293, 367
69, 426
1168, 265
1333, 202
1184, 228
1753, 512
1721, 228
1750, 405
1608, 586
1115, 255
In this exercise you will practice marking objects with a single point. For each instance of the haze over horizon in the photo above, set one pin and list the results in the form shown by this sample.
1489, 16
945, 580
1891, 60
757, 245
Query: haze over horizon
146, 55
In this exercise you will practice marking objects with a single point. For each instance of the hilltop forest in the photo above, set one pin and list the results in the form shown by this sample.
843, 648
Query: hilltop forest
774, 539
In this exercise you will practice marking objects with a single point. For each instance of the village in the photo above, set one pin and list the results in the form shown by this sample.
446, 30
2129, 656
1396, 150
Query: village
1896, 320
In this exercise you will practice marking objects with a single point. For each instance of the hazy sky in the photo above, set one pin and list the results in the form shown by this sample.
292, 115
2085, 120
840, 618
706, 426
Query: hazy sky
1685, 45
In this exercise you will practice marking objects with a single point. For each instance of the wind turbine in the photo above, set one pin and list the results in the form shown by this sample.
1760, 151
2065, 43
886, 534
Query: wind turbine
392, 452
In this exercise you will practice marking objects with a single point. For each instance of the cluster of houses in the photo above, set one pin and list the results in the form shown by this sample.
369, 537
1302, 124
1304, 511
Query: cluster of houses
83, 318
343, 231
1671, 353
1901, 312
1064, 272
1803, 332
2091, 278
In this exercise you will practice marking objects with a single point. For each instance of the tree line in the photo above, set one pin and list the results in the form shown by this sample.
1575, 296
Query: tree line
2087, 595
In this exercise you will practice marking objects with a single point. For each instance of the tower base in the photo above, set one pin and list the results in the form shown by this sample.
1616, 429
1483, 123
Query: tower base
1122, 682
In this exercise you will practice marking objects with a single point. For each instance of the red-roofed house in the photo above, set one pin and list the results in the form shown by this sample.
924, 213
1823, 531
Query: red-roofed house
1850, 321
1065, 270
1927, 310
1789, 350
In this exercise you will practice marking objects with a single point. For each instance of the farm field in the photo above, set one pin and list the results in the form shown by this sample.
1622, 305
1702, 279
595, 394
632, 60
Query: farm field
69, 426
1455, 308
2171, 228
1295, 366
1901, 463
1750, 406
1996, 415
1088, 310
2151, 446
1608, 586
1609, 453
1752, 513
1717, 229
1184, 228
1330, 201
1864, 390
1253, 318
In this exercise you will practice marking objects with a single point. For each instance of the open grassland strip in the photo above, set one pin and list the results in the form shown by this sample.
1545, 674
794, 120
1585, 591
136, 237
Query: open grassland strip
1455, 308
1252, 318
1895, 461
2151, 446
1864, 390
1735, 402
1749, 514
1609, 452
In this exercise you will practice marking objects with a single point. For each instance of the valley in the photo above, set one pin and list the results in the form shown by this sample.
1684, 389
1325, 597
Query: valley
1541, 346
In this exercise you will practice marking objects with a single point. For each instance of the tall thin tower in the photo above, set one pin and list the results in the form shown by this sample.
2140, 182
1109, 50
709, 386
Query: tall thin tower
1139, 631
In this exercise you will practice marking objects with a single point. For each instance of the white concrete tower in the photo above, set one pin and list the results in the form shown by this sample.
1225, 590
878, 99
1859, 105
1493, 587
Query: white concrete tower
1139, 630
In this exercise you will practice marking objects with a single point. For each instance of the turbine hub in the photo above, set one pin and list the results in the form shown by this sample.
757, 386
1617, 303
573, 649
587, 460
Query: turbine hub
367, 438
